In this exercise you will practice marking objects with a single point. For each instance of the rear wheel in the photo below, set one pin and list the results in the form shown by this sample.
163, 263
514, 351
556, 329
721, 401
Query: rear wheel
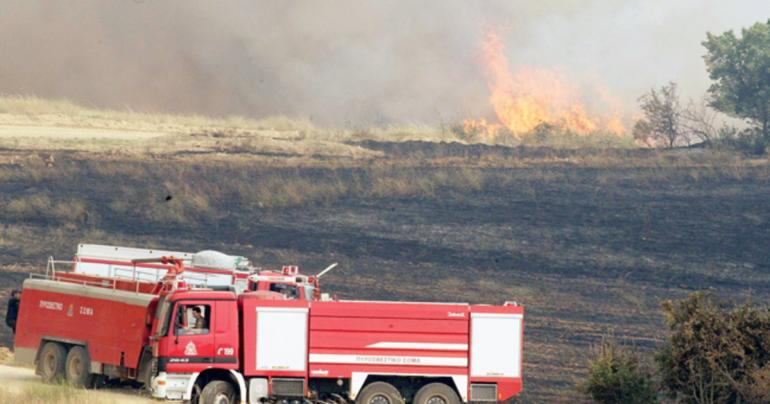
50, 364
78, 368
379, 393
217, 392
436, 393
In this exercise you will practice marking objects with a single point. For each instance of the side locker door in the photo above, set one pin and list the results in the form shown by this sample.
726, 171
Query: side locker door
282, 340
496, 343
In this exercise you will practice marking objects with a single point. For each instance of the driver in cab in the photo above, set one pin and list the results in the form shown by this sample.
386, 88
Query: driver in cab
196, 323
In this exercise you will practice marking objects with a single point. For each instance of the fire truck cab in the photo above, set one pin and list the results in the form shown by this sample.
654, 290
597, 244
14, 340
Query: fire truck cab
288, 284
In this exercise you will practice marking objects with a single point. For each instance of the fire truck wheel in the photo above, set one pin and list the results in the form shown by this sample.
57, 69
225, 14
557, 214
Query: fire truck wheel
217, 392
436, 393
78, 368
379, 393
50, 364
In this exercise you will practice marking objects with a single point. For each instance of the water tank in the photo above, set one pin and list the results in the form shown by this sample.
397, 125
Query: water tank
211, 259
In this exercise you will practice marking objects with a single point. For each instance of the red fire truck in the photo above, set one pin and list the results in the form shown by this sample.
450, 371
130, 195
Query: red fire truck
279, 340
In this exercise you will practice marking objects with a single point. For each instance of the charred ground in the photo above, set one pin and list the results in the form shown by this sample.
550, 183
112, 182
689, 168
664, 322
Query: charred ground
589, 241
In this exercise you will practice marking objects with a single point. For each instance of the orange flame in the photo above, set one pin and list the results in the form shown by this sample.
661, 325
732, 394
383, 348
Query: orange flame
531, 97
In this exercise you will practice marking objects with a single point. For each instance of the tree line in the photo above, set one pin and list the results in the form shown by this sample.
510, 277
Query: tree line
739, 67
716, 352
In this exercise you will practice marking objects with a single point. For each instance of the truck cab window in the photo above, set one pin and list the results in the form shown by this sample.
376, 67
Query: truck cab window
192, 319
288, 290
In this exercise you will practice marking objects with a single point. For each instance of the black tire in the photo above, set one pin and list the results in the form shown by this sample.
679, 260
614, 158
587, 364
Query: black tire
436, 393
379, 393
77, 370
50, 363
218, 392
196, 394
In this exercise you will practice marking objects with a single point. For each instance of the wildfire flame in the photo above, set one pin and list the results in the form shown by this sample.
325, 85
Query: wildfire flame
531, 97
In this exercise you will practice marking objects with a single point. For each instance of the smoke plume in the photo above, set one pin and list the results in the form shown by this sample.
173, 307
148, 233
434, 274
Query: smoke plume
347, 62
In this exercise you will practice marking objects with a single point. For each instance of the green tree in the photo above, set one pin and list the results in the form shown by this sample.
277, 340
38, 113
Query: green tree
715, 352
740, 68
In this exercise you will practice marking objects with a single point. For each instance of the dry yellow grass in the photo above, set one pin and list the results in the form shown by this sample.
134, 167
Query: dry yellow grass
44, 394
31, 110
21, 385
61, 112
30, 123
6, 356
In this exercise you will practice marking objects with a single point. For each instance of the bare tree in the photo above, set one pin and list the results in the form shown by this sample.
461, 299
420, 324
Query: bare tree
699, 122
661, 124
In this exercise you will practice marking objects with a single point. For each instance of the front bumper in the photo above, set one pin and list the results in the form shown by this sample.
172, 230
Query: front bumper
172, 386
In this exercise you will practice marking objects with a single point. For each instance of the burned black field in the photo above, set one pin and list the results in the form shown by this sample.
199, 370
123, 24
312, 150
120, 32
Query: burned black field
589, 242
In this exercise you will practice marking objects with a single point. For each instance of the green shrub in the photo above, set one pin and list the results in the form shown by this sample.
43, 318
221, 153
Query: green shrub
748, 142
617, 375
715, 353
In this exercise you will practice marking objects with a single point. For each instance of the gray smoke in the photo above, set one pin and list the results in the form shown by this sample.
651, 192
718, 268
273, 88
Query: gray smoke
352, 62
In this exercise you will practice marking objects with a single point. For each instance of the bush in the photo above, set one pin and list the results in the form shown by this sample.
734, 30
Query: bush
715, 353
617, 375
748, 142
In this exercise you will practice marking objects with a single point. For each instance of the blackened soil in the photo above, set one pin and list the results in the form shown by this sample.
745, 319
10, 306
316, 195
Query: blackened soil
588, 251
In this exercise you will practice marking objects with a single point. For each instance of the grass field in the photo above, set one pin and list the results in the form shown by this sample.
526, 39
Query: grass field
44, 394
21, 385
31, 123
590, 240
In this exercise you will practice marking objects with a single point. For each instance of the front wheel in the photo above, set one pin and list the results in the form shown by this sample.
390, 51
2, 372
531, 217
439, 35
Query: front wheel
217, 392
50, 364
436, 393
379, 393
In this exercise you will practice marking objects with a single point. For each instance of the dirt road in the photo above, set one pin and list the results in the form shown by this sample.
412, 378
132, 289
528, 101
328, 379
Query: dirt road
20, 384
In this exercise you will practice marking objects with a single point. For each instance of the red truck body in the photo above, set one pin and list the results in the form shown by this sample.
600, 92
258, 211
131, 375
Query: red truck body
264, 346
113, 322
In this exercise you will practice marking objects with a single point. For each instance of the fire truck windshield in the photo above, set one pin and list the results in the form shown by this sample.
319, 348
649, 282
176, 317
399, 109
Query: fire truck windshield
290, 291
163, 316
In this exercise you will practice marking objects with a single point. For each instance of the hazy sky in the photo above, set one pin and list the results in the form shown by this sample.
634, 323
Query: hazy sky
356, 62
